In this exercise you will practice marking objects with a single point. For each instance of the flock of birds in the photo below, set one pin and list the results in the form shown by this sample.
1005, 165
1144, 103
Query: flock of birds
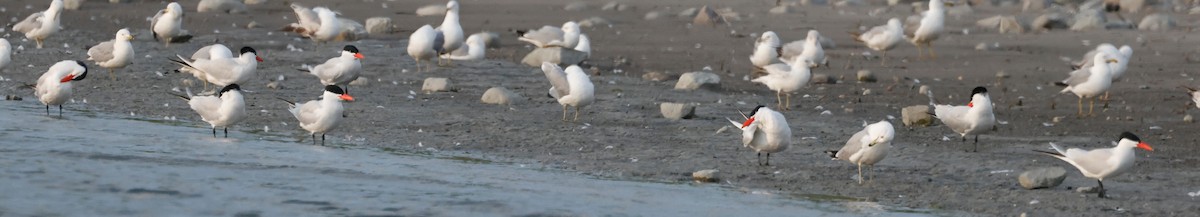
765, 130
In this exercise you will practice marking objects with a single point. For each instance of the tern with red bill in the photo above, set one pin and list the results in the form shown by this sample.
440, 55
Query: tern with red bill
1102, 163
55, 86
970, 120
114, 54
215, 51
1090, 82
765, 131
39, 26
570, 88
785, 79
221, 69
222, 110
867, 147
339, 70
323, 115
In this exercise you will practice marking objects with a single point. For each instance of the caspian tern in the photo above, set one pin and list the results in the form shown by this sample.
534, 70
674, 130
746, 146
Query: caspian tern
114, 54
55, 86
882, 38
339, 70
868, 146
785, 79
424, 44
933, 22
570, 88
811, 52
451, 30
216, 51
549, 36
5, 54
767, 50
1090, 82
765, 131
973, 119
39, 26
222, 110
220, 69
1102, 163
167, 25
321, 116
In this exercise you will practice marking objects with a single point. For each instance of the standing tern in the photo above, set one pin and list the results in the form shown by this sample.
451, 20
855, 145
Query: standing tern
39, 26
114, 54
882, 38
1090, 82
785, 79
973, 119
339, 70
55, 86
323, 115
167, 25
868, 146
933, 23
223, 110
570, 88
1102, 163
765, 131
222, 70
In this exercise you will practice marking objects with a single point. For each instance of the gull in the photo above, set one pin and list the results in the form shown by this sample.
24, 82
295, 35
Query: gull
329, 28
207, 52
220, 69
811, 52
570, 88
549, 36
1122, 55
932, 24
474, 49
339, 70
973, 119
307, 21
321, 116
450, 30
766, 50
1194, 93
5, 53
113, 54
39, 26
764, 131
223, 110
424, 44
868, 146
1102, 163
55, 85
882, 38
785, 79
167, 25
584, 45
1090, 82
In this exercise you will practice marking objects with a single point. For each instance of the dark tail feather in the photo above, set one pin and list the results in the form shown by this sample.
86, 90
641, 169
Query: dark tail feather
290, 103
832, 154
181, 39
1061, 84
185, 98
1188, 88
1056, 154
181, 62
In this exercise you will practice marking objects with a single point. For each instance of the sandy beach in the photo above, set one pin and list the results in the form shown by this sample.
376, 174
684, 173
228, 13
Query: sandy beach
623, 136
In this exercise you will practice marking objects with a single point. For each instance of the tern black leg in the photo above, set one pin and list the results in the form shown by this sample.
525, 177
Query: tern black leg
759, 159
1101, 188
768, 159
322, 139
976, 143
226, 132
47, 110
314, 138
214, 132
60, 111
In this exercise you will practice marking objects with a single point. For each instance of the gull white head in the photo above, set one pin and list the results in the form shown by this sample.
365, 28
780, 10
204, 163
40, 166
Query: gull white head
895, 23
56, 6
881, 132
938, 5
452, 7
769, 38
124, 34
174, 8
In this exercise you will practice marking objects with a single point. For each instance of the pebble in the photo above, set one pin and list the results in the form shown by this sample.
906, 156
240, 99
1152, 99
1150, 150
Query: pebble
706, 175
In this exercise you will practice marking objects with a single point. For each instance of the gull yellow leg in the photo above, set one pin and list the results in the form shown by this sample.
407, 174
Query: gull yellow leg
576, 113
564, 118
860, 176
1080, 114
932, 55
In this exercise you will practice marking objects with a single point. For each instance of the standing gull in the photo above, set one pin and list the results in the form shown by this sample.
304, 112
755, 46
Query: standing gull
932, 24
55, 86
882, 38
114, 54
785, 79
223, 110
424, 44
570, 88
766, 50
451, 31
39, 26
323, 115
1102, 163
765, 131
971, 120
1090, 82
167, 25
339, 70
811, 53
868, 146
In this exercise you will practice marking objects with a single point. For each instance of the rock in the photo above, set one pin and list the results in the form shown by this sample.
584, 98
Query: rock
1087, 190
844, 3
923, 90
690, 12
594, 21
676, 111
707, 16
1188, 118
361, 81
1050, 21
255, 2
782, 9
694, 80
499, 96
656, 76
1034, 5
1002, 74
917, 115
432, 10
820, 78
557, 55
576, 6
227, 6
653, 15
1046, 177
378, 26
1156, 22
1132, 5
1004, 24
981, 46
72, 4
893, 2
435, 85
614, 6
252, 24
274, 85
866, 76
1088, 20
12, 98
491, 39
960, 10
706, 176
1194, 11
1118, 24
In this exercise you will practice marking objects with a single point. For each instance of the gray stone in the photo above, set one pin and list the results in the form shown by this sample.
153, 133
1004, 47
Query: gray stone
432, 10
226, 6
576, 6
435, 85
782, 9
500, 96
1046, 177
844, 3
866, 76
377, 26
655, 76
819, 78
1087, 190
690, 12
1156, 22
1132, 5
923, 89
676, 111
1002, 23
1088, 20
694, 80
556, 55
1194, 11
706, 176
615, 6
707, 16
1050, 21
594, 21
917, 115
653, 15
1034, 5
72, 4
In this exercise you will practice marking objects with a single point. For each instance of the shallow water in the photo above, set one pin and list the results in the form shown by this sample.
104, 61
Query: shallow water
89, 164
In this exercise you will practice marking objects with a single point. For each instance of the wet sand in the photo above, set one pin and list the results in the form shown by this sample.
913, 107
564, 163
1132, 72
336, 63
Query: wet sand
623, 136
